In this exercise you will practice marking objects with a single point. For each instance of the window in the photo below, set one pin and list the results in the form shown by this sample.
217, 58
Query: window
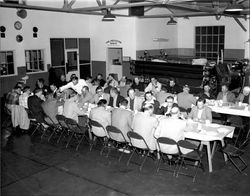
7, 63
34, 60
209, 41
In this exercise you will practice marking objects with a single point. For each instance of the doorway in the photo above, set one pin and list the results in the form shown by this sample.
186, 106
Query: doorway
114, 61
72, 63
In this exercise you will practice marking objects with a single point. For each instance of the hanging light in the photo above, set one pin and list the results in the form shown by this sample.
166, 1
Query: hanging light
234, 7
108, 16
171, 21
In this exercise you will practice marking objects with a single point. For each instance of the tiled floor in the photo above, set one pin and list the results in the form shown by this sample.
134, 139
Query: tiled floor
34, 167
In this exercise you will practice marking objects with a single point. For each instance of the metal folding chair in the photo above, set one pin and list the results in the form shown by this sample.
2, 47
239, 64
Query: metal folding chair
194, 156
235, 153
138, 144
117, 138
76, 131
166, 145
100, 134
63, 126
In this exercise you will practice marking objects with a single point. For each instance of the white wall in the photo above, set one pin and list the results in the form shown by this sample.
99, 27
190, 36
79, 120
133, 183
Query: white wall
148, 29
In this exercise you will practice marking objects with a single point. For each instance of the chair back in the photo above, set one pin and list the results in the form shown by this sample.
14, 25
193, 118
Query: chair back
115, 133
73, 126
137, 140
97, 129
61, 120
185, 146
167, 145
30, 114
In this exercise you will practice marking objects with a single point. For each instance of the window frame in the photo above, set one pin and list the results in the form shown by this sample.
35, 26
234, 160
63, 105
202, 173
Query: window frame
43, 60
14, 63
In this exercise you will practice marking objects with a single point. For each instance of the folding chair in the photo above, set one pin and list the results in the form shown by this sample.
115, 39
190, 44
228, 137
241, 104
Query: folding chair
194, 155
116, 136
138, 143
233, 153
166, 148
39, 125
100, 133
54, 126
76, 131
63, 126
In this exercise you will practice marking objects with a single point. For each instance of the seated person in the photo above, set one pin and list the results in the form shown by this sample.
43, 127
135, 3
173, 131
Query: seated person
12, 98
122, 118
162, 95
173, 87
225, 95
53, 89
185, 99
71, 109
40, 84
144, 123
23, 99
123, 81
150, 99
62, 81
100, 95
154, 86
124, 89
137, 84
76, 84
35, 105
85, 97
206, 92
99, 77
100, 114
244, 97
134, 102
115, 97
50, 108
167, 106
95, 84
111, 81
173, 128
200, 112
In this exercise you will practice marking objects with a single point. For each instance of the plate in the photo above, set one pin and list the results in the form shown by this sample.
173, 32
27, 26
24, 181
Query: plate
222, 130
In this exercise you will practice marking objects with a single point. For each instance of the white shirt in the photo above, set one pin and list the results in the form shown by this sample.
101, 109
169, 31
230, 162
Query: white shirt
78, 87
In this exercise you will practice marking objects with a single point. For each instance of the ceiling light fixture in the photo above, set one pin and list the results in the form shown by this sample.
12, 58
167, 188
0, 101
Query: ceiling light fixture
234, 7
108, 16
171, 21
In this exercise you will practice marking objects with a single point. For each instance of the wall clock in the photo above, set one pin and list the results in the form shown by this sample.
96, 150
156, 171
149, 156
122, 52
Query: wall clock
18, 25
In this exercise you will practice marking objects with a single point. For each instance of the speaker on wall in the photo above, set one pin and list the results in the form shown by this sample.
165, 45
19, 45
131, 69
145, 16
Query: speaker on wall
136, 11
2, 30
35, 29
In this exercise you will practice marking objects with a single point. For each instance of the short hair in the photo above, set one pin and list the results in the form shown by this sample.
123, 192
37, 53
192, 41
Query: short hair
99, 74
102, 102
98, 88
163, 88
53, 84
86, 87
175, 110
124, 102
169, 97
89, 77
115, 90
147, 107
17, 87
225, 84
26, 88
129, 81
201, 99
172, 79
72, 75
74, 78
148, 92
130, 90
38, 90
246, 88
40, 80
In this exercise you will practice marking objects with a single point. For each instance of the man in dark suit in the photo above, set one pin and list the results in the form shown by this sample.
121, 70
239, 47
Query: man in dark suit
115, 98
166, 107
35, 105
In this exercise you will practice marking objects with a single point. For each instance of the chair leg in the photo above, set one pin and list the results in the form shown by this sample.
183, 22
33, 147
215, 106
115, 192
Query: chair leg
69, 140
80, 142
158, 164
54, 130
105, 143
143, 161
44, 131
37, 127
131, 156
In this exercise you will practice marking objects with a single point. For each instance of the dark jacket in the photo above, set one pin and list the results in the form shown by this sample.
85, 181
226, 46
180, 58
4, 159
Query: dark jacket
118, 100
35, 106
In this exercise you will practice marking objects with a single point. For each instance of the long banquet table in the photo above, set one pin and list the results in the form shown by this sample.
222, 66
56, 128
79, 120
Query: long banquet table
210, 133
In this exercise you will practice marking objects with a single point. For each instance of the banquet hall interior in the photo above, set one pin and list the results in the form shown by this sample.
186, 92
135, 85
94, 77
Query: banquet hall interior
147, 62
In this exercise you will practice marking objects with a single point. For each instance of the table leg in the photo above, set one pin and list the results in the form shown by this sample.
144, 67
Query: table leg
90, 134
223, 144
214, 147
209, 157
